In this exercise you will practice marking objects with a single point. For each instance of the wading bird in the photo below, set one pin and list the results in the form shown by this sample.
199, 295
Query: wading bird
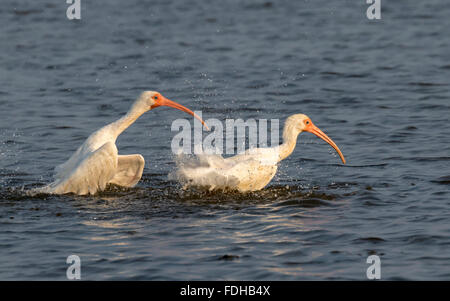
97, 163
251, 170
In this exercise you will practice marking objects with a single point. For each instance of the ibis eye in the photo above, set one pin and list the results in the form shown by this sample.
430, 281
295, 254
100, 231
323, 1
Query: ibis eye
156, 97
307, 122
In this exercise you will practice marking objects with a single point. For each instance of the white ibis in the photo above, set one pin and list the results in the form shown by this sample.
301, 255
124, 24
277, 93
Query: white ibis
97, 162
251, 170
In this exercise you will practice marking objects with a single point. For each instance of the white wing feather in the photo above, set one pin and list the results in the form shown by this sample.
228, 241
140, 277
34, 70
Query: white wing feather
129, 170
91, 174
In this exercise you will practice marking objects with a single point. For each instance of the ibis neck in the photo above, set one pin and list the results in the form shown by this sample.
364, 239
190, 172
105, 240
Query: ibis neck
123, 123
290, 135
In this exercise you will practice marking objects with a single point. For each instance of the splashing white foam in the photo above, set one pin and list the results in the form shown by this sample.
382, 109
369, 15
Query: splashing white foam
202, 170
249, 171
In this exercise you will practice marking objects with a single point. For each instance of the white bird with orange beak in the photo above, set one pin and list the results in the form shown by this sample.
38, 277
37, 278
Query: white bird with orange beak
251, 170
97, 163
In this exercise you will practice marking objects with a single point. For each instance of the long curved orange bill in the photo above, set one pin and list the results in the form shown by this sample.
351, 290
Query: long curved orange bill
162, 101
316, 131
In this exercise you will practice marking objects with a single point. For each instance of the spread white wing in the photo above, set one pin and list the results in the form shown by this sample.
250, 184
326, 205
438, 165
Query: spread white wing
129, 170
90, 173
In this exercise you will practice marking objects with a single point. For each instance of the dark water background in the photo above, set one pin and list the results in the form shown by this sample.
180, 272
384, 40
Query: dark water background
380, 89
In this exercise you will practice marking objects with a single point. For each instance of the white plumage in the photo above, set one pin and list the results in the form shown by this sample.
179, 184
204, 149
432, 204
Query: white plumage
249, 171
97, 163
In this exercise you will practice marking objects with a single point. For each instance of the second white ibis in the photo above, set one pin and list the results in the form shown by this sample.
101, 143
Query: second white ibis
251, 170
